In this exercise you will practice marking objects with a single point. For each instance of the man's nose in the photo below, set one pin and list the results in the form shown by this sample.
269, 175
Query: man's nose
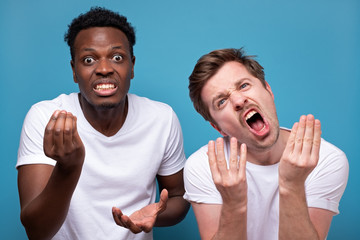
238, 100
104, 67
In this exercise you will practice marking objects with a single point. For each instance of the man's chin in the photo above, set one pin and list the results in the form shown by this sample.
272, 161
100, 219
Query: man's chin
106, 106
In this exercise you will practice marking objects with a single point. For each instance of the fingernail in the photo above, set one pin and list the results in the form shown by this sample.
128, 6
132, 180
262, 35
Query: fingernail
55, 114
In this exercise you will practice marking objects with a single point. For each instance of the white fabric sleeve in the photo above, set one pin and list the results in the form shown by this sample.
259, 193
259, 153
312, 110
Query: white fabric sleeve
326, 184
174, 156
199, 185
31, 140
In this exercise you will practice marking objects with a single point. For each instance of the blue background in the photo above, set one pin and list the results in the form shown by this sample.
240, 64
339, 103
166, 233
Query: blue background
309, 49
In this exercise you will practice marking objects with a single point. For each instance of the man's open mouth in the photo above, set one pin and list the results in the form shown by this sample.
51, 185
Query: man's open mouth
104, 86
105, 89
255, 121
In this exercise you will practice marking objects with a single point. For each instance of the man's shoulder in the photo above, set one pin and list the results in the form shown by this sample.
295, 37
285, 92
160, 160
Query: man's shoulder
60, 101
197, 158
44, 109
201, 153
150, 109
329, 150
144, 101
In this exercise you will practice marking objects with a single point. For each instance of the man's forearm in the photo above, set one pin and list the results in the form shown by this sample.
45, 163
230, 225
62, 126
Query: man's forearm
294, 222
176, 210
232, 224
43, 216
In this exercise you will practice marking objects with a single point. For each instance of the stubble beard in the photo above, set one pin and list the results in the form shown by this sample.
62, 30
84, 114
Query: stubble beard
268, 146
106, 106
102, 106
271, 139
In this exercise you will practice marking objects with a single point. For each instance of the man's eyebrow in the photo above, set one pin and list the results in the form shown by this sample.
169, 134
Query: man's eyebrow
89, 49
93, 49
239, 82
218, 96
117, 47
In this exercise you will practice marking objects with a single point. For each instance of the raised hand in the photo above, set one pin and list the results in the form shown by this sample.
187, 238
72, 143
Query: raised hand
143, 219
62, 141
301, 153
230, 182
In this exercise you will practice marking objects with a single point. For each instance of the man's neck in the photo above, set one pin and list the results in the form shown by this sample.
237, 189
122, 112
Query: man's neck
106, 121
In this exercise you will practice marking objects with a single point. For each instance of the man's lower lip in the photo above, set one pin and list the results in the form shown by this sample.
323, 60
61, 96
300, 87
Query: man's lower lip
105, 92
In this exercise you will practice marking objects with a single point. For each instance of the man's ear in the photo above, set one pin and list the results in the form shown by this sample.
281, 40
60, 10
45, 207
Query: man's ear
218, 129
73, 70
269, 89
132, 69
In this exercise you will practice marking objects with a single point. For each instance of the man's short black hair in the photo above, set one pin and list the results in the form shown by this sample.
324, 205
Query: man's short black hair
99, 17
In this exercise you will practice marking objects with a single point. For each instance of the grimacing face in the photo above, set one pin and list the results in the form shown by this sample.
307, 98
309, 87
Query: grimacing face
102, 66
242, 107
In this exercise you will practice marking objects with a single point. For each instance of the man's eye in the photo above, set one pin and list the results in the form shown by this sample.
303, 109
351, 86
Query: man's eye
117, 58
220, 102
244, 85
89, 60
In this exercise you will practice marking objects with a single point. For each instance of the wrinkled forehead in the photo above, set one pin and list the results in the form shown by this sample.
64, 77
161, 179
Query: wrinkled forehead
225, 79
101, 37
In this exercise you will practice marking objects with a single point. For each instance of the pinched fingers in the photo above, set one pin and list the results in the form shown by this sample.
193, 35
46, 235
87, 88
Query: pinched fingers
61, 139
58, 131
68, 130
48, 135
53, 136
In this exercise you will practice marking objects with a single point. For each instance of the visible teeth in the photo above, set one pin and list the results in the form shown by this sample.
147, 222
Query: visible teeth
104, 86
250, 114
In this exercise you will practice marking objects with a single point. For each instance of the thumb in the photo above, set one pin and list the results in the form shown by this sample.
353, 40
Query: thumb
164, 196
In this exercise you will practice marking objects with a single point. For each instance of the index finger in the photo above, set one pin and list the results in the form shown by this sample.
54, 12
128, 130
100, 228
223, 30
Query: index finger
48, 134
130, 224
300, 135
68, 131
212, 160
220, 157
117, 216
291, 140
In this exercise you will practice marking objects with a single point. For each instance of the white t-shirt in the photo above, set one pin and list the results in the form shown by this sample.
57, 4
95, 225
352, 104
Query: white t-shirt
324, 187
118, 171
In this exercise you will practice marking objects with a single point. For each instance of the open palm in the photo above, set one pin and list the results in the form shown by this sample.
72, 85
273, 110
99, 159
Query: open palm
143, 219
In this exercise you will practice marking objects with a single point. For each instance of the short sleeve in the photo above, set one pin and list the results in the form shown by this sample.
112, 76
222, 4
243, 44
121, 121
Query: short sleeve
199, 185
31, 139
174, 156
326, 184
